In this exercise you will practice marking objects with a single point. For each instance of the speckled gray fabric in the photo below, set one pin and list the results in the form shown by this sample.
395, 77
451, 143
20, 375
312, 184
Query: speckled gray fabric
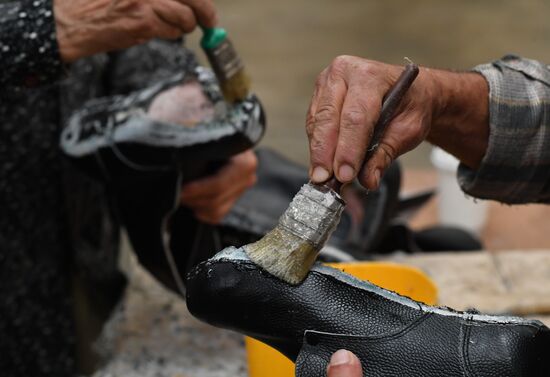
29, 54
36, 333
55, 223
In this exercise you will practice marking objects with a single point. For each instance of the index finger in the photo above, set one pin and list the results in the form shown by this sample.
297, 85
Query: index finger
359, 115
204, 10
324, 119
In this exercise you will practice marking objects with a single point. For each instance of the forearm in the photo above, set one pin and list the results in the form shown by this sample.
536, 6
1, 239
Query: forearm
515, 167
29, 54
461, 118
496, 120
460, 123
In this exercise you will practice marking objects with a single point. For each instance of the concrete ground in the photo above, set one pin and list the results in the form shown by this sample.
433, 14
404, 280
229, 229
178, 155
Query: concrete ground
152, 334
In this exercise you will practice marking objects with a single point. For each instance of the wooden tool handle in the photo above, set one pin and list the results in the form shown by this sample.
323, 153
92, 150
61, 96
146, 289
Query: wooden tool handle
389, 106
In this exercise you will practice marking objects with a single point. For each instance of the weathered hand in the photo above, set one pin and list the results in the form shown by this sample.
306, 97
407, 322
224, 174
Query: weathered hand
444, 107
344, 364
87, 27
211, 198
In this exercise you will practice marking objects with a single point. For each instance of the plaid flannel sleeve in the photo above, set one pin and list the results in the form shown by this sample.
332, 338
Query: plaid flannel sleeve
516, 166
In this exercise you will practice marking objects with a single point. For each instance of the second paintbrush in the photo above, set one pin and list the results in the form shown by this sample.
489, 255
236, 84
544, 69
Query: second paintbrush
290, 249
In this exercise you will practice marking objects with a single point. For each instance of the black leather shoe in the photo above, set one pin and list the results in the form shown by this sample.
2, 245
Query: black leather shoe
391, 334
146, 144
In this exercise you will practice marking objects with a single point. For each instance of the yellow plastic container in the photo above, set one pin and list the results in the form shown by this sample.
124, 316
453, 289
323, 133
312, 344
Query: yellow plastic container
264, 361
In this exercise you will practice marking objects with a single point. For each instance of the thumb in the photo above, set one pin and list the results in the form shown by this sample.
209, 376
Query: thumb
344, 364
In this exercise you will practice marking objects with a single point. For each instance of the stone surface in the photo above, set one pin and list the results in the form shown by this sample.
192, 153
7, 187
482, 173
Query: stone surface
464, 281
527, 276
152, 334
511, 282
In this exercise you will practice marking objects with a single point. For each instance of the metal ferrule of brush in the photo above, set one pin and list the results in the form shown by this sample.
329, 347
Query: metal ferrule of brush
313, 214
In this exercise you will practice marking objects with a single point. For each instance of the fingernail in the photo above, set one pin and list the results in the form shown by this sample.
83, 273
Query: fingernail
346, 173
340, 357
377, 177
320, 174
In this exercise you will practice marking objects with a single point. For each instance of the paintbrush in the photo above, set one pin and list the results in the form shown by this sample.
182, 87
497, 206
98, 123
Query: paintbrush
226, 63
290, 249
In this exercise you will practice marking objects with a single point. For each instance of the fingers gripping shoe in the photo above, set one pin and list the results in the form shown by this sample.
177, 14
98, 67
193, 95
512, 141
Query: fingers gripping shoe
391, 334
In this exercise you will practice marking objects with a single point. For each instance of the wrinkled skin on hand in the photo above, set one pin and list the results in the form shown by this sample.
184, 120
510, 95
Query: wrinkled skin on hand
344, 109
87, 27
447, 108
211, 198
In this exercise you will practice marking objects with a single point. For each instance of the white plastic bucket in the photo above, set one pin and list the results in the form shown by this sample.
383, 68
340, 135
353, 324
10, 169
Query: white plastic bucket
455, 208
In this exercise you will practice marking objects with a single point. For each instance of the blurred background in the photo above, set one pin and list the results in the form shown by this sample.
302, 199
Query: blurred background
286, 43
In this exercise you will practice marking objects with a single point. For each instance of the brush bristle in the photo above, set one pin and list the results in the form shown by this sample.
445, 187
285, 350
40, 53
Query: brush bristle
290, 250
283, 254
236, 87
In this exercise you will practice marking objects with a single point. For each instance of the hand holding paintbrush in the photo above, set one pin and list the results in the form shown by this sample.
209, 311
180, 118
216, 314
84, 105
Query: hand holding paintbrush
289, 250
391, 102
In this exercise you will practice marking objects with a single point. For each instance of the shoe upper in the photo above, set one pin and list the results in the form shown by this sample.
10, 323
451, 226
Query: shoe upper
393, 335
121, 138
